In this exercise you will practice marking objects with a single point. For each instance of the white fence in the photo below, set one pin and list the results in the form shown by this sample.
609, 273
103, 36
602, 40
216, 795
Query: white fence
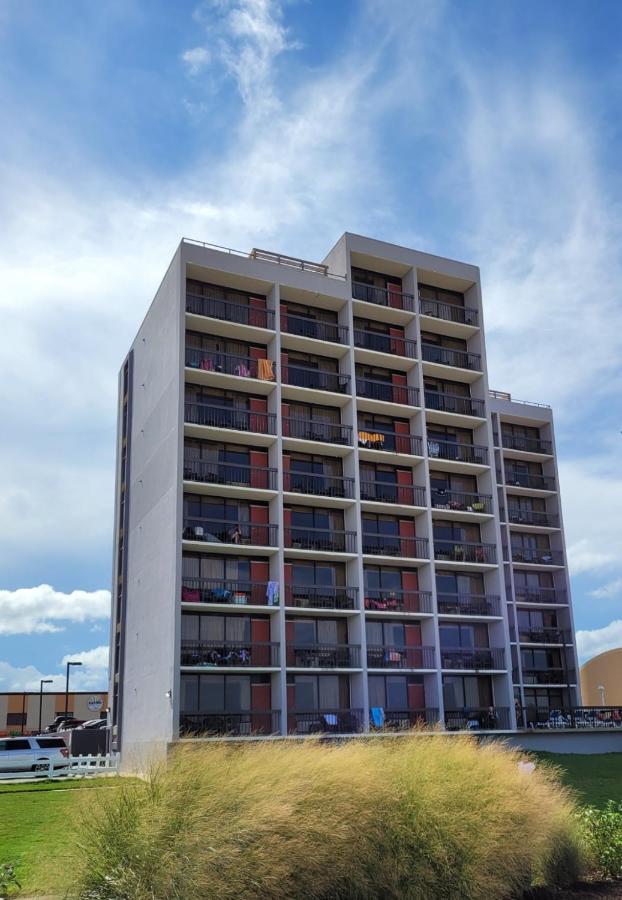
72, 767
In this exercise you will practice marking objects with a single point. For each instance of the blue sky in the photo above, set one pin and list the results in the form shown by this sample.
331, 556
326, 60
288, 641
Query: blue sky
484, 131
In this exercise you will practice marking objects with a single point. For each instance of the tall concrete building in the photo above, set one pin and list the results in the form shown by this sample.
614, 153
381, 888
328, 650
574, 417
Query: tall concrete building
325, 521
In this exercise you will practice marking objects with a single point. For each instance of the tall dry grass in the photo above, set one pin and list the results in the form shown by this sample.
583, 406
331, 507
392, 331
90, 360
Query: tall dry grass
420, 818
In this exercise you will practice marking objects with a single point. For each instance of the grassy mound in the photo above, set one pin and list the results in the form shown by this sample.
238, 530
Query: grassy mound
421, 818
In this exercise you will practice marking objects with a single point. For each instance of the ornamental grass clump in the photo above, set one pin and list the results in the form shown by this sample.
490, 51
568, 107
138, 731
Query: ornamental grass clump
421, 817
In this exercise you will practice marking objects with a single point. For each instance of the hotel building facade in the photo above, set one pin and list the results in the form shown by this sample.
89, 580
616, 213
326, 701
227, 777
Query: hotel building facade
325, 521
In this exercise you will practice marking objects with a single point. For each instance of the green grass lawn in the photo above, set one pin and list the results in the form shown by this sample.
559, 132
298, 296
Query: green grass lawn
595, 778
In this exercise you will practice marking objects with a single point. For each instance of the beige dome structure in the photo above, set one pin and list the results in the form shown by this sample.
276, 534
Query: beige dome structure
601, 679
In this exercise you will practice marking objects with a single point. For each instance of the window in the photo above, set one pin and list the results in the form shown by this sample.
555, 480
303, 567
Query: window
14, 744
216, 568
463, 637
440, 295
382, 578
452, 388
327, 415
389, 634
215, 693
14, 718
466, 692
46, 743
197, 627
459, 583
320, 574
307, 632
541, 659
465, 532
320, 692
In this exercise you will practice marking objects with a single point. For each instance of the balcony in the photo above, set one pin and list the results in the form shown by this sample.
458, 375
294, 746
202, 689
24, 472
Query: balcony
229, 364
213, 531
536, 518
463, 551
315, 379
459, 501
544, 636
320, 539
391, 657
391, 492
525, 480
239, 313
231, 474
230, 654
395, 299
525, 444
477, 658
386, 391
455, 403
489, 718
238, 724
317, 597
324, 656
325, 432
443, 356
549, 676
377, 544
468, 605
379, 600
570, 717
319, 485
227, 417
537, 556
385, 343
312, 328
464, 453
402, 720
215, 590
325, 721
461, 315
391, 441
542, 595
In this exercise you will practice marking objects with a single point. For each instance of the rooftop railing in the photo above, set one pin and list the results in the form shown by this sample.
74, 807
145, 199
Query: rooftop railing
304, 326
391, 492
527, 444
325, 721
318, 484
391, 441
373, 389
237, 724
205, 472
381, 600
444, 356
460, 501
318, 597
239, 313
395, 299
466, 453
216, 590
455, 403
385, 343
461, 315
227, 417
316, 379
310, 430
378, 544
323, 656
322, 539
229, 654
465, 551
476, 658
388, 656
218, 531
468, 604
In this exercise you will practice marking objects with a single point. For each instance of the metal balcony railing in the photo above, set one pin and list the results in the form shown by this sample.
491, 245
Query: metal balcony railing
391, 492
473, 658
215, 308
312, 328
317, 379
218, 531
378, 544
462, 315
372, 389
520, 516
230, 654
385, 656
537, 556
549, 676
461, 359
319, 484
468, 453
463, 551
323, 656
227, 417
385, 343
321, 539
455, 403
402, 720
317, 597
215, 590
229, 473
380, 600
383, 296
544, 635
325, 721
461, 501
391, 441
229, 364
237, 724
309, 430
468, 604
527, 444
484, 718
569, 717
540, 595
526, 480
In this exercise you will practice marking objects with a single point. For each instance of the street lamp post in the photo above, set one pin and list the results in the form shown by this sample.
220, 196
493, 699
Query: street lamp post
601, 690
67, 685
41, 683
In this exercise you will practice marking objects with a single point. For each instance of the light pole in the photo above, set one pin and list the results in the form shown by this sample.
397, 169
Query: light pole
601, 689
41, 683
67, 685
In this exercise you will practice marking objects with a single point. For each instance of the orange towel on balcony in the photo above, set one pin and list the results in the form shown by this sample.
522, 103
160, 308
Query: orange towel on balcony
265, 370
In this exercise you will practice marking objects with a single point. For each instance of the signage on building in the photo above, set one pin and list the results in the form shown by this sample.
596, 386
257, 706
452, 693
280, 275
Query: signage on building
95, 704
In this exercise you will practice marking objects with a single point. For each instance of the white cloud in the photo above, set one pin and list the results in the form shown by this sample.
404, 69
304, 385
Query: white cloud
608, 591
196, 59
591, 643
92, 675
41, 609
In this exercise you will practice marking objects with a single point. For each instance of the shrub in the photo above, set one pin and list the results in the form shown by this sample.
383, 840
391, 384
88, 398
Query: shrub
603, 837
9, 885
421, 818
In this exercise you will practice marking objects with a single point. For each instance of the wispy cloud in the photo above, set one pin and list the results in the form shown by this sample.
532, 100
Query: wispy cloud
609, 590
591, 643
41, 609
196, 59
92, 675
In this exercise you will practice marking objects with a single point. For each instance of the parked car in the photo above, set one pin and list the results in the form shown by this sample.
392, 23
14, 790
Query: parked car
62, 723
32, 754
93, 724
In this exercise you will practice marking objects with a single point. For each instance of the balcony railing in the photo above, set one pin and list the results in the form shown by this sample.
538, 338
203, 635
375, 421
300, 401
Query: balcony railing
463, 315
569, 717
372, 389
527, 444
317, 597
520, 516
391, 492
473, 658
239, 313
385, 343
463, 551
227, 417
444, 356
383, 297
383, 656
215, 590
223, 654
401, 720
377, 544
455, 403
460, 501
312, 328
391, 441
549, 676
324, 656
540, 595
218, 531
525, 480
309, 430
317, 379
485, 718
544, 635
325, 721
321, 539
379, 600
230, 364
467, 453
238, 724
321, 485
538, 556
229, 473
468, 604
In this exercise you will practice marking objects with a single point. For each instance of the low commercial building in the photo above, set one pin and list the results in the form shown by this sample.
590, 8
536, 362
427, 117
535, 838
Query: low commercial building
19, 710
